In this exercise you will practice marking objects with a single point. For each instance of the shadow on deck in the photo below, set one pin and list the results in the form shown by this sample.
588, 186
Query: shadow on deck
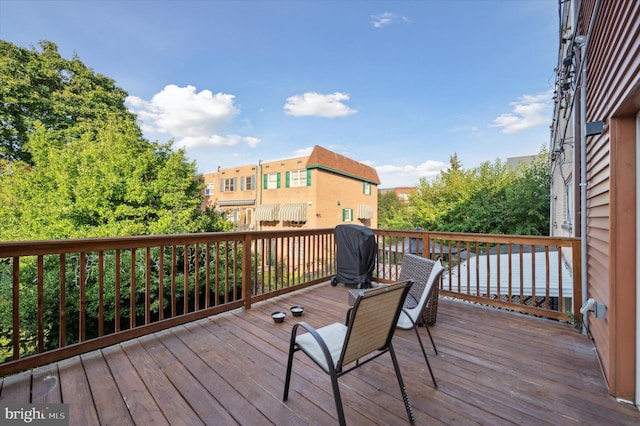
493, 367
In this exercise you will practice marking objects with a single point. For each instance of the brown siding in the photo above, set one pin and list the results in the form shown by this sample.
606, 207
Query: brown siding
613, 56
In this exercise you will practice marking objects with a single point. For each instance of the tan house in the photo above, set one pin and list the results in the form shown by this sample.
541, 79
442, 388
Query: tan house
595, 148
321, 190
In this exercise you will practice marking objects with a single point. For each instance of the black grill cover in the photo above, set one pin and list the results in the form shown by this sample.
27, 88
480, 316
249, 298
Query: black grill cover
356, 251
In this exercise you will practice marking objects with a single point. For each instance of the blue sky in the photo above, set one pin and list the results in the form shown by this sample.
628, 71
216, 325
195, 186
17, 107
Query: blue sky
398, 85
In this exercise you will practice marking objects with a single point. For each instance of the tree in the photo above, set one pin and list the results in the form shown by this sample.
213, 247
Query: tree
41, 86
527, 199
434, 200
106, 183
392, 212
487, 199
74, 164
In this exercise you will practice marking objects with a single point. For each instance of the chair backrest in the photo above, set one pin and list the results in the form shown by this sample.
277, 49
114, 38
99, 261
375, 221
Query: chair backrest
372, 321
424, 274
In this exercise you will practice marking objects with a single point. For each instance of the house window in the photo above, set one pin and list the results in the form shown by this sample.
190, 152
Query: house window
272, 181
347, 215
248, 183
297, 178
366, 188
229, 185
208, 190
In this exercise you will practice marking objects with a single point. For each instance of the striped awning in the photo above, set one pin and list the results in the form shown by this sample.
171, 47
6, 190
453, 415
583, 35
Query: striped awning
364, 212
224, 203
293, 212
267, 213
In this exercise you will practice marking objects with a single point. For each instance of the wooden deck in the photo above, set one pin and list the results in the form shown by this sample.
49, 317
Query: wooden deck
493, 368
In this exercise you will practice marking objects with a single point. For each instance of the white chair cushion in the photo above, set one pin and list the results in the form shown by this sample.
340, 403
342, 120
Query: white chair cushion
333, 336
404, 322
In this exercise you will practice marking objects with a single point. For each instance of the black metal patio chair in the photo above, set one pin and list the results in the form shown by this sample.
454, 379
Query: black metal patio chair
340, 348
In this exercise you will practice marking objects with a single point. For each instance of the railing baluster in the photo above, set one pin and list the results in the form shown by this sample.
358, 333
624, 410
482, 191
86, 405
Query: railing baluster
498, 276
217, 282
521, 274
147, 286
510, 273
207, 275
196, 278
161, 283
117, 290
40, 303
547, 280
83, 297
16, 308
174, 267
185, 281
132, 290
560, 295
62, 333
100, 293
533, 276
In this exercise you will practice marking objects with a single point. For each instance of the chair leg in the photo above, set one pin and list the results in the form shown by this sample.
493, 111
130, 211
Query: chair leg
403, 389
287, 380
423, 321
431, 338
338, 399
425, 357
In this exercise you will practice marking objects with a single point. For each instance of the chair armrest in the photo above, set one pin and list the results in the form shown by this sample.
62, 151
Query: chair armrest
404, 311
346, 321
323, 346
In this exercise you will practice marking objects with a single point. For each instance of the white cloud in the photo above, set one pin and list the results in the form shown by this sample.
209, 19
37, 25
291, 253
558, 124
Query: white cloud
409, 175
528, 112
386, 18
382, 19
194, 119
317, 104
303, 152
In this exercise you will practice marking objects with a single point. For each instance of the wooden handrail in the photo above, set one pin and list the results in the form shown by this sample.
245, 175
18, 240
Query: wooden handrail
67, 297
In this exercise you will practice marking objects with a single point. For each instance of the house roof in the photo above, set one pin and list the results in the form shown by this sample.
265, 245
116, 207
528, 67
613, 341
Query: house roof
325, 159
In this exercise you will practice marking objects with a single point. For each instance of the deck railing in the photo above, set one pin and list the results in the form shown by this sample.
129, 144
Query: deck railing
62, 298
534, 275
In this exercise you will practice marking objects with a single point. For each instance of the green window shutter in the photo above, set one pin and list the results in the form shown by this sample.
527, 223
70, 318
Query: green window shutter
287, 179
265, 179
308, 177
344, 214
235, 183
364, 187
278, 180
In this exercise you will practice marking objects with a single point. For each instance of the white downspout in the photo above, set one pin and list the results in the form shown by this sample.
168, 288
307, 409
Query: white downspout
582, 42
